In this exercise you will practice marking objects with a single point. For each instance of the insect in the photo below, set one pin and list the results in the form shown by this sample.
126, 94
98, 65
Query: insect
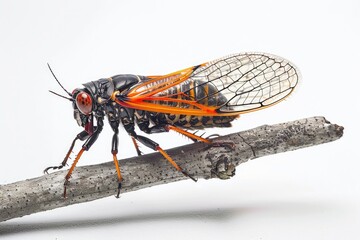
211, 94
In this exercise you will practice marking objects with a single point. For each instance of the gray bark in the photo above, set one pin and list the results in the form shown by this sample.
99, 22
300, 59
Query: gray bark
201, 160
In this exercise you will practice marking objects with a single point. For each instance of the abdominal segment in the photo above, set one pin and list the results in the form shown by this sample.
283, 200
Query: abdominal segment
203, 93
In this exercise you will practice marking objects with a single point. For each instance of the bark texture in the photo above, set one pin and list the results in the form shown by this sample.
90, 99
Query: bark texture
200, 160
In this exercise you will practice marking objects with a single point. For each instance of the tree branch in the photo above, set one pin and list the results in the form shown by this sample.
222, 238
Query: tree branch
201, 160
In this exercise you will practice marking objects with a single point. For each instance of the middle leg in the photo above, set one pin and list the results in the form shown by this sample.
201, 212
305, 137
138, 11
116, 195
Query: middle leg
114, 150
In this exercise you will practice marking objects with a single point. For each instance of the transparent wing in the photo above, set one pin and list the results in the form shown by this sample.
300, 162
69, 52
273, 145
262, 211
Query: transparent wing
249, 81
231, 85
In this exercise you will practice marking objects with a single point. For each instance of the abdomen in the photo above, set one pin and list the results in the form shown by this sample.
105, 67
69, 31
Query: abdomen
202, 92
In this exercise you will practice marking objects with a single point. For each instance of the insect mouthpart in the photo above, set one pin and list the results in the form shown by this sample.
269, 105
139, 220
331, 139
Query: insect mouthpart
77, 117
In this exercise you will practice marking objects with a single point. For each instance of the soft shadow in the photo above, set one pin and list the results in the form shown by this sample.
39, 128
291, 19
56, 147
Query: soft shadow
210, 214
219, 214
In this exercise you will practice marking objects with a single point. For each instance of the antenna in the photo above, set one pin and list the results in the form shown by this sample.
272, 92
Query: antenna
70, 99
58, 83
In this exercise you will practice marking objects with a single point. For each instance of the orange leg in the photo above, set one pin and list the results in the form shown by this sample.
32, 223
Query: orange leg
136, 146
116, 162
228, 144
81, 136
155, 146
190, 135
68, 175
167, 157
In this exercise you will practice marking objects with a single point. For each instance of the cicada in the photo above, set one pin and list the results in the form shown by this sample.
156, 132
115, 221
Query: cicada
211, 94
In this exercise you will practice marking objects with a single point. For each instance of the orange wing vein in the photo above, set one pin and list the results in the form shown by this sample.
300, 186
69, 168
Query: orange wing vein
228, 86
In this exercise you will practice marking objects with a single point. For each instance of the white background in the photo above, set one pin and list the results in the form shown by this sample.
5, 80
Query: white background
312, 193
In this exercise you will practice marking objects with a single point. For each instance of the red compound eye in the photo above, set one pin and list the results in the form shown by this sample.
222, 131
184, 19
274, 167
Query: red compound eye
84, 103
